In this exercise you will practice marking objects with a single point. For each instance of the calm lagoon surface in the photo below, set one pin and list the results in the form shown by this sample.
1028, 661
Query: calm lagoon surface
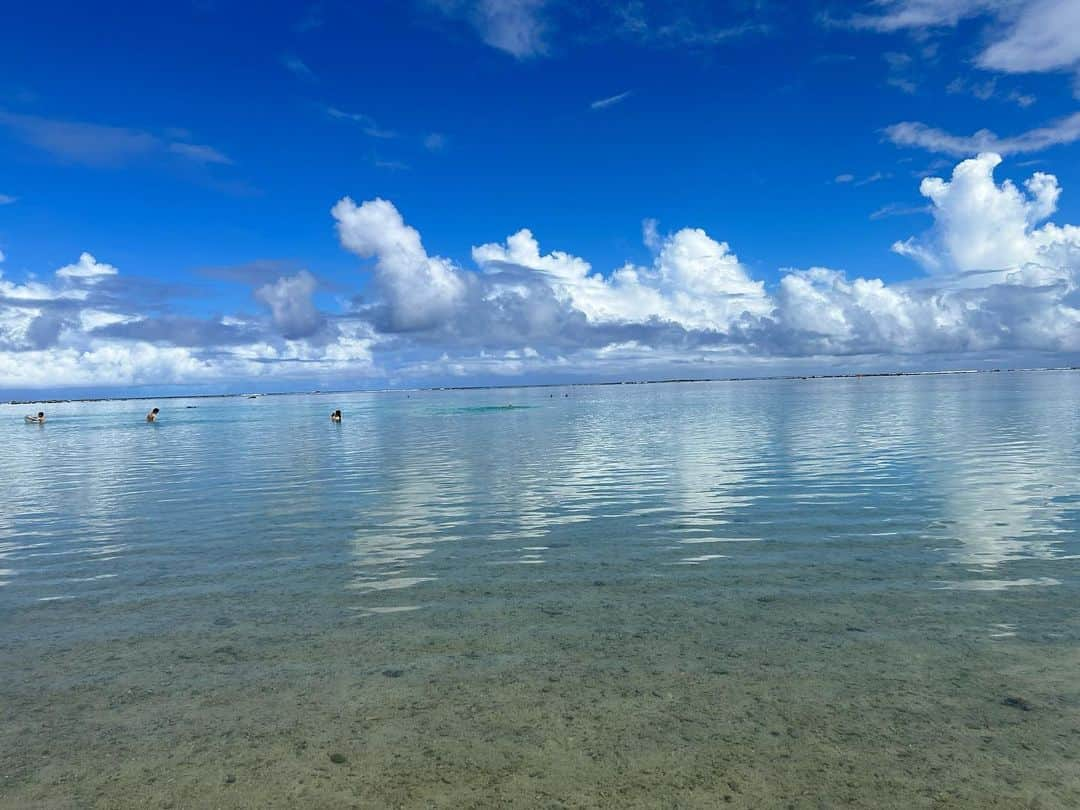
808, 594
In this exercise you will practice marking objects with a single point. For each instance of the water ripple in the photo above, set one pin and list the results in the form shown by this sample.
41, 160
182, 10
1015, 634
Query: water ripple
968, 484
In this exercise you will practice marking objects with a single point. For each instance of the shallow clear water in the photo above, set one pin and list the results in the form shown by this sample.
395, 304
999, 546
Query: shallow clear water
786, 593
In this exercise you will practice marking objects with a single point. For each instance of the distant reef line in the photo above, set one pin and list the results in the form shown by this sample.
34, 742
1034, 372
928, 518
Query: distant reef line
667, 381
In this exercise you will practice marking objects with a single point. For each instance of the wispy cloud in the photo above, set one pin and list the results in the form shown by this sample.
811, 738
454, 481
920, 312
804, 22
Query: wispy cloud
982, 90
435, 142
79, 142
1028, 37
986, 90
676, 25
367, 123
7, 199
916, 134
99, 145
899, 210
936, 166
903, 85
900, 71
312, 19
847, 177
525, 28
516, 27
688, 32
199, 153
873, 178
296, 66
898, 15
610, 101
1024, 100
432, 141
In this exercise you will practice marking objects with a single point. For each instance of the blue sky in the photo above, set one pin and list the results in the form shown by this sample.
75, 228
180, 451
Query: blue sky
196, 157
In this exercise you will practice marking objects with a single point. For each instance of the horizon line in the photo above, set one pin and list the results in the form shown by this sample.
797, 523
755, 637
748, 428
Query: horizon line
664, 381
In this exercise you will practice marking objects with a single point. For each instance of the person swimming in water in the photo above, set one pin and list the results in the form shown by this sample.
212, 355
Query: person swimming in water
152, 416
335, 416
37, 420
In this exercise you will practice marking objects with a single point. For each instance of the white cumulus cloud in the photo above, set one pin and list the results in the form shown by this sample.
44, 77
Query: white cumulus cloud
85, 326
983, 225
87, 269
421, 290
695, 282
1003, 278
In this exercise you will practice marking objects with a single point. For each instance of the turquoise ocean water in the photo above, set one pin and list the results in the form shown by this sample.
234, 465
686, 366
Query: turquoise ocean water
847, 592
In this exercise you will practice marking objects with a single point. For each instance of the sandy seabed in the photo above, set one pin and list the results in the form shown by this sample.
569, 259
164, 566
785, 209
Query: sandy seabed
817, 688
